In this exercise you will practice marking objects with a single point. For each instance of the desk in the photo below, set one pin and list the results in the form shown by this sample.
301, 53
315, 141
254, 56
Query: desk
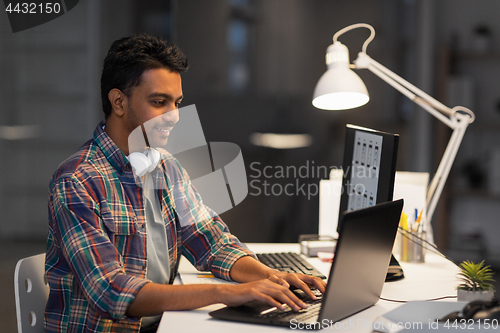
432, 279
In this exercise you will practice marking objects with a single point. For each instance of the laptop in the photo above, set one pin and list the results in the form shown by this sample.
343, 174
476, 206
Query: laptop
356, 278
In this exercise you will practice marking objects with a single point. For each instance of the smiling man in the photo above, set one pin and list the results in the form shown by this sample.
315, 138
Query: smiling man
153, 102
115, 238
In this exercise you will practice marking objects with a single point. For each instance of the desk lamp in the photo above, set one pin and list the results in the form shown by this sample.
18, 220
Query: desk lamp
339, 88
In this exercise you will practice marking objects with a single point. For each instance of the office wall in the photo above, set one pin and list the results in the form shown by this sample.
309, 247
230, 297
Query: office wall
49, 107
287, 49
471, 33
50, 77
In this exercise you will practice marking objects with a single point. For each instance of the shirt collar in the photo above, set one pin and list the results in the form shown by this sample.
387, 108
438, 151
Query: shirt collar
110, 150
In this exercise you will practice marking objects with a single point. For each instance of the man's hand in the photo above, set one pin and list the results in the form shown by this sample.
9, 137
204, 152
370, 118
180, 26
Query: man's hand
300, 281
264, 291
247, 269
259, 282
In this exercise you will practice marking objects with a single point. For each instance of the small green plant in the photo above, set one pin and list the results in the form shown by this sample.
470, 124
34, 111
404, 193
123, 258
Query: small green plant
475, 277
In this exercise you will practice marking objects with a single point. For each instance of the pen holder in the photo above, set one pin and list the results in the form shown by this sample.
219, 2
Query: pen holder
412, 246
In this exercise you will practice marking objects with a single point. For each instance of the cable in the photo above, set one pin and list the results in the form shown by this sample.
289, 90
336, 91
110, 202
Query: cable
355, 26
430, 299
434, 247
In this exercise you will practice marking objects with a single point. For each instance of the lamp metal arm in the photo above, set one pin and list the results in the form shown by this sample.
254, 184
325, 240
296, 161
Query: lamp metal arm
437, 184
457, 118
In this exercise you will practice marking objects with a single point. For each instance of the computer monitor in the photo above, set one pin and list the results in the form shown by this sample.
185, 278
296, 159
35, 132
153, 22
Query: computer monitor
369, 167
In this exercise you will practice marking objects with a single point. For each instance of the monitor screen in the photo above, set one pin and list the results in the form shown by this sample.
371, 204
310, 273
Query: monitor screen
369, 167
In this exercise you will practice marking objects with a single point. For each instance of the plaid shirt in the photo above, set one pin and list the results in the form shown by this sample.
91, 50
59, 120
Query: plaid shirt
96, 253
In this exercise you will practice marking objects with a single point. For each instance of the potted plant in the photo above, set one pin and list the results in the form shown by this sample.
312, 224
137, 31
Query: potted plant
475, 280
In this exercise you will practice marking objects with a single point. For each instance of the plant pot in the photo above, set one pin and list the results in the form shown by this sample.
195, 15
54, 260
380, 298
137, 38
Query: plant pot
469, 296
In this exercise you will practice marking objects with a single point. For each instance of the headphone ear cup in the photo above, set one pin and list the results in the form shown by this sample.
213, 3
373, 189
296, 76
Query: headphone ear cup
154, 158
140, 163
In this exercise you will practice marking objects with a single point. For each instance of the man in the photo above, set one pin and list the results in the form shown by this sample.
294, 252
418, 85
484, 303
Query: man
108, 265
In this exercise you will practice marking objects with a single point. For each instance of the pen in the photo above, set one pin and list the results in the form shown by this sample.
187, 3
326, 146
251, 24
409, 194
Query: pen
404, 221
418, 221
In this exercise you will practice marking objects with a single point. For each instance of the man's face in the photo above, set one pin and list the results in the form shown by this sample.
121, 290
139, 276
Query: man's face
154, 103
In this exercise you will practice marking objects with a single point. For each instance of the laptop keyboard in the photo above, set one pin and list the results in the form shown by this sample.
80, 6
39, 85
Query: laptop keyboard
288, 313
289, 262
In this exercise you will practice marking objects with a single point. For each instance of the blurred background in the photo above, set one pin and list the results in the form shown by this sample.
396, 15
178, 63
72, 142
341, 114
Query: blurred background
253, 68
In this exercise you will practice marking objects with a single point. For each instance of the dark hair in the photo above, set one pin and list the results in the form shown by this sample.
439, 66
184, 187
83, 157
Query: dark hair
129, 57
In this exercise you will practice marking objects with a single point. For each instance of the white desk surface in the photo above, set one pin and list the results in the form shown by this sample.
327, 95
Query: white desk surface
432, 279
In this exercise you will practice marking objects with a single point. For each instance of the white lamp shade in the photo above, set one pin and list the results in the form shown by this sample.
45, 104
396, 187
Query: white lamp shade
339, 88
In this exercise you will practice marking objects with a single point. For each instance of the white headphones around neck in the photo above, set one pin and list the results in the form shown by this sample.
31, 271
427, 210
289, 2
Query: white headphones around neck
144, 162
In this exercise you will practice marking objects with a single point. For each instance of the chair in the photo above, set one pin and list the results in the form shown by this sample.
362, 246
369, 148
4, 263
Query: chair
32, 291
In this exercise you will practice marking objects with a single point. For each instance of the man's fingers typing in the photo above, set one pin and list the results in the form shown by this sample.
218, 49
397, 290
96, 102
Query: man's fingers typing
266, 291
304, 282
